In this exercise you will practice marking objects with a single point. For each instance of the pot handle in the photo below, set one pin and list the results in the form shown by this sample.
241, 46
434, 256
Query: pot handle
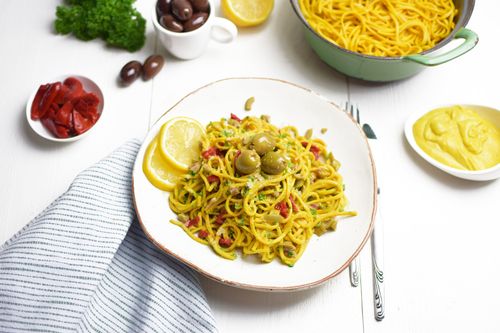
470, 40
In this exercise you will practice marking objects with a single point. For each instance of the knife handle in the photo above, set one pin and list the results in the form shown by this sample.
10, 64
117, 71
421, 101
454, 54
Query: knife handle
377, 241
378, 268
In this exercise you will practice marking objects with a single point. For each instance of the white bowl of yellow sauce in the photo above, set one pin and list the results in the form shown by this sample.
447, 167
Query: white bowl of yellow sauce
462, 140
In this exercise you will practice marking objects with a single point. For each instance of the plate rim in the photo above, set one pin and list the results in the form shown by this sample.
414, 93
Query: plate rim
265, 288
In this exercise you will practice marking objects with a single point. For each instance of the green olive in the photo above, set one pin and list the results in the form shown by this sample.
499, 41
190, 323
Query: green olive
248, 162
263, 143
273, 163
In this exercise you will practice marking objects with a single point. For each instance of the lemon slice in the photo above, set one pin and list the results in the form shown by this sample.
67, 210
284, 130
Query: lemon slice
247, 13
157, 170
180, 141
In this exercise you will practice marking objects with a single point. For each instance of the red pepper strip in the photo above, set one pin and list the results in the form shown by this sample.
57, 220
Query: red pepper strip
294, 205
75, 88
62, 96
213, 179
48, 98
62, 132
87, 110
80, 123
225, 242
314, 149
238, 153
235, 117
91, 99
220, 218
282, 208
192, 222
49, 123
212, 151
35, 106
64, 116
202, 234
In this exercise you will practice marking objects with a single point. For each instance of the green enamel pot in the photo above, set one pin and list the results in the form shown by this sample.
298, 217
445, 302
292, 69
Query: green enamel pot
384, 69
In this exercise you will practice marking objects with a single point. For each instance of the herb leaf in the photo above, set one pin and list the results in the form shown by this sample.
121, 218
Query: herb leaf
117, 22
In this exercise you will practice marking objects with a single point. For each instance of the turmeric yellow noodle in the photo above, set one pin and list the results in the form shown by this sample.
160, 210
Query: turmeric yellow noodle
387, 28
270, 214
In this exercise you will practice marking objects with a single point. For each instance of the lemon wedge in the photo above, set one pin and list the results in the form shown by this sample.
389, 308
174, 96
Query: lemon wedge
180, 141
247, 13
158, 171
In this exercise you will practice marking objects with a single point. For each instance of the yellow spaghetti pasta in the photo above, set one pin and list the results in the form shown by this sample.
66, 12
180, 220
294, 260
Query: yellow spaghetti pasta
260, 213
386, 28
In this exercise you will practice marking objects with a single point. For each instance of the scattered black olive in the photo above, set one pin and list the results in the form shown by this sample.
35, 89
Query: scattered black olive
152, 66
130, 72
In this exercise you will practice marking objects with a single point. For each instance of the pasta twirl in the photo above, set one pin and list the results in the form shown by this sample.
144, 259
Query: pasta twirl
388, 28
271, 216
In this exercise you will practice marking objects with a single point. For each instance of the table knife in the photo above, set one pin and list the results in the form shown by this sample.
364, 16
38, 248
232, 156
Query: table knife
377, 243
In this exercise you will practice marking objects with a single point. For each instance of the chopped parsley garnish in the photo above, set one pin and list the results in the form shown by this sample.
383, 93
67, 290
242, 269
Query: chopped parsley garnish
227, 133
314, 212
244, 190
261, 197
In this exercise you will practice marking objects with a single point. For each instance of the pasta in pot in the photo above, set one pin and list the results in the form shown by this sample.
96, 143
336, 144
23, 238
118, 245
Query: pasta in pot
386, 28
270, 208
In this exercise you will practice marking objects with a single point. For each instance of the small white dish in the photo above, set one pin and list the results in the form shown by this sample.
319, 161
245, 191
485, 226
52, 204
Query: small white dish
287, 104
37, 126
488, 113
192, 44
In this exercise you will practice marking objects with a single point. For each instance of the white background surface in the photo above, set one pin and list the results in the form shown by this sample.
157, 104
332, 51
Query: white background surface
441, 233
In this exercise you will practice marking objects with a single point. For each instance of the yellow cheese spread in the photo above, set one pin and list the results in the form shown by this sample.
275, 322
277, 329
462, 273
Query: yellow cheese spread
458, 137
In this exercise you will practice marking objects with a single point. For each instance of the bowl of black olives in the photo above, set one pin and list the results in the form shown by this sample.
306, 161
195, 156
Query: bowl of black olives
186, 26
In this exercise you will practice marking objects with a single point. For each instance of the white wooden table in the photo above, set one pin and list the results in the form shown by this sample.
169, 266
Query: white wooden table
442, 263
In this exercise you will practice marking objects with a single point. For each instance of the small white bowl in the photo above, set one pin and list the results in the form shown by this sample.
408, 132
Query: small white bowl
192, 44
37, 126
488, 113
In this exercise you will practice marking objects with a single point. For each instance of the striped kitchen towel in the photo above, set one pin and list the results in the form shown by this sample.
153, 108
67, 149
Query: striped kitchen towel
85, 265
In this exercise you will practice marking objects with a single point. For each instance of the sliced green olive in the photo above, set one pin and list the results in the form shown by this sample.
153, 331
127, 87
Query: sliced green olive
273, 163
263, 143
248, 162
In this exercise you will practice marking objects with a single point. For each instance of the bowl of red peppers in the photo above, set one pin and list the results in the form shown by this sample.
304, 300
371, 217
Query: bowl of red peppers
66, 109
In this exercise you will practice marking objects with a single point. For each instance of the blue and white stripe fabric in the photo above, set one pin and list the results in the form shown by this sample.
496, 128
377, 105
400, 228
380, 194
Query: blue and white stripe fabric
84, 265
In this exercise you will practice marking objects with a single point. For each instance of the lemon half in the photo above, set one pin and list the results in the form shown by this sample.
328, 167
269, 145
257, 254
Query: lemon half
247, 13
180, 142
157, 170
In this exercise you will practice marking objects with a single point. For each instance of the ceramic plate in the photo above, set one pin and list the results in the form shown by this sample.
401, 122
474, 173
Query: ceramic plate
287, 104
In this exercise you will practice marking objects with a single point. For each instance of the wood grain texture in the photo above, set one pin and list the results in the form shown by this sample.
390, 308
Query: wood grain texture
441, 247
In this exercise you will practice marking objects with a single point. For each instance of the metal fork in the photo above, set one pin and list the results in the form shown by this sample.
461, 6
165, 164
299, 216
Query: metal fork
377, 262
